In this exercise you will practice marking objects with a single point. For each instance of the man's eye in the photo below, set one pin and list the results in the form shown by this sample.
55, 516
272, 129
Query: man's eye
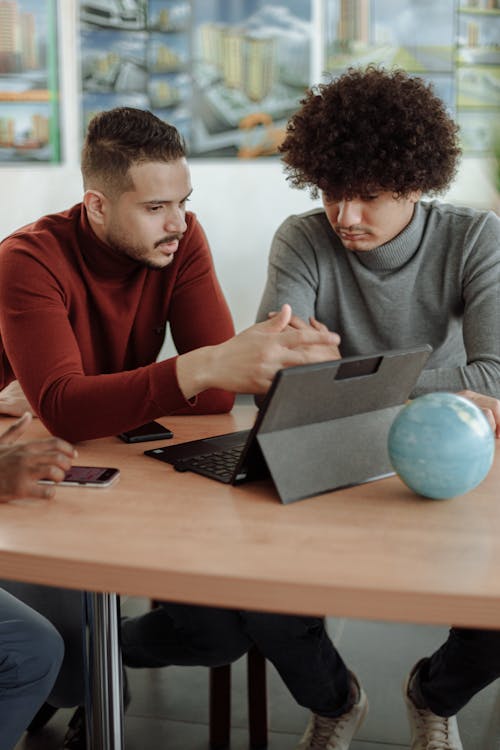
154, 208
186, 200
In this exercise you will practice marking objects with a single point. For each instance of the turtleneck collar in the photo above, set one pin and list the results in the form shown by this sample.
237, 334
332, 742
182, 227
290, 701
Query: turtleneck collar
99, 257
398, 251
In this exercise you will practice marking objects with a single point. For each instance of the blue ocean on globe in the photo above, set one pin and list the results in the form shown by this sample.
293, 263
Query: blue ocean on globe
441, 445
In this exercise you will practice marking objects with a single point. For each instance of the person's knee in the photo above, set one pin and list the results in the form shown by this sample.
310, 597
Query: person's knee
221, 644
271, 626
185, 635
216, 635
40, 651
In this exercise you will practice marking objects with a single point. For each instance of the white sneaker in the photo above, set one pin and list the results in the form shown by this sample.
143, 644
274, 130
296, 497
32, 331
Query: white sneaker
428, 730
324, 733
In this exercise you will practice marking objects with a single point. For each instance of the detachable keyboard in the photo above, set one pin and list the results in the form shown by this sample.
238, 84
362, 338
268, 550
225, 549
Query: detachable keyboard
220, 465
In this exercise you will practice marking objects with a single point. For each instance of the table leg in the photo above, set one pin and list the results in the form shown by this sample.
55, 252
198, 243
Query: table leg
103, 666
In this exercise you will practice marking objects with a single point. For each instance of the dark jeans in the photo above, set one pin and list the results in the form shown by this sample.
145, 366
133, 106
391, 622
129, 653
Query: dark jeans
467, 662
299, 648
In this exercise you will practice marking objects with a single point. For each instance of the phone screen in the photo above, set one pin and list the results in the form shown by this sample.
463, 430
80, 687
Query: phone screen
86, 474
92, 476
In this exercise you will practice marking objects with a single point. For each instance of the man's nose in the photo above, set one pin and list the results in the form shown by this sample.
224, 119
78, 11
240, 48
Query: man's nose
349, 213
175, 220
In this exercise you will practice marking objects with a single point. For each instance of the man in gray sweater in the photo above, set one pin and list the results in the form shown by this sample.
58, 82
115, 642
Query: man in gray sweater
384, 270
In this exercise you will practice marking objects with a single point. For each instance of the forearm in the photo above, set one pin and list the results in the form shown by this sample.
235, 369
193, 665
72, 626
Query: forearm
84, 407
198, 384
118, 402
480, 332
483, 377
195, 371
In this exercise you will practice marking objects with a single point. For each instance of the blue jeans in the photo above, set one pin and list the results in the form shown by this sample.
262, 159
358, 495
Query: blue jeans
31, 652
64, 609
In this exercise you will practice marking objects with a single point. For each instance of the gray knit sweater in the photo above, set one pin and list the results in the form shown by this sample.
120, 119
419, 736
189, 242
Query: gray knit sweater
438, 282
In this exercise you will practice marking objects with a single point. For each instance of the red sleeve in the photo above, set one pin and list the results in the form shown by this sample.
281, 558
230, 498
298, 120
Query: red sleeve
45, 355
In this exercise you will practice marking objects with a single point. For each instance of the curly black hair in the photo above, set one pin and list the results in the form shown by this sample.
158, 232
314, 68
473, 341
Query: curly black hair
371, 129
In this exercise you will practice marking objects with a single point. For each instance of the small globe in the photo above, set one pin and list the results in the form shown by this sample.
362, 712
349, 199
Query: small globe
441, 445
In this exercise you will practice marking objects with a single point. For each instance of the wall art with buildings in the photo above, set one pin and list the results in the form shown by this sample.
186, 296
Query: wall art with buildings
29, 95
454, 44
227, 74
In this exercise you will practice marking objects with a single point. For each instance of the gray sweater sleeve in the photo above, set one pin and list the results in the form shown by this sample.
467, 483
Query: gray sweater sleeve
292, 274
480, 277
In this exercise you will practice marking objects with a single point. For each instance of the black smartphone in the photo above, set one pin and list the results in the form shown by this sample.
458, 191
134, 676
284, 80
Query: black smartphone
88, 476
149, 431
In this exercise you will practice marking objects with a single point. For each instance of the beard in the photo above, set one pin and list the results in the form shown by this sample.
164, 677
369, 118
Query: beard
141, 254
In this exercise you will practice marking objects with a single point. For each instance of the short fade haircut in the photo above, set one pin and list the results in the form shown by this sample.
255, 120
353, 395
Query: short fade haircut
370, 130
120, 138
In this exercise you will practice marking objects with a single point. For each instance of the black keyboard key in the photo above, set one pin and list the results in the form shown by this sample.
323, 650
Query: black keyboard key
219, 465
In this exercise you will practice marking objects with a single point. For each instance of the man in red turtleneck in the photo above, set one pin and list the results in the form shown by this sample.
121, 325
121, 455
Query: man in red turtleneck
86, 298
87, 294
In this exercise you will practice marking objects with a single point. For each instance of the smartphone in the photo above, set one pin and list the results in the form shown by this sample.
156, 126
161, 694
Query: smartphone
88, 476
149, 431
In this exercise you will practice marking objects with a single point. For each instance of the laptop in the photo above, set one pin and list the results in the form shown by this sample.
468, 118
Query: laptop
321, 426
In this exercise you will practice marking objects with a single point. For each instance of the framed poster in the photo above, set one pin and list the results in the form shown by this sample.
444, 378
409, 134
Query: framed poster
251, 66
453, 44
226, 74
478, 75
417, 35
29, 96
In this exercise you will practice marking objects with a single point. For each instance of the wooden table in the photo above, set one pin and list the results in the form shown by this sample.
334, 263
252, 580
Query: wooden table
373, 551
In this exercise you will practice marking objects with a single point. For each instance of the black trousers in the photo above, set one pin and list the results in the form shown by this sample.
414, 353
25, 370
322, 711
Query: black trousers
303, 654
299, 648
467, 662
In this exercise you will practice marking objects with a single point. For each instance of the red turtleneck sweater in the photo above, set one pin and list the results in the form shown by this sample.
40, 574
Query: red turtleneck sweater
81, 327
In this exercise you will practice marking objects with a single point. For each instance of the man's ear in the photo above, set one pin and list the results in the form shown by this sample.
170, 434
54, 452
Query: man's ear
96, 204
415, 196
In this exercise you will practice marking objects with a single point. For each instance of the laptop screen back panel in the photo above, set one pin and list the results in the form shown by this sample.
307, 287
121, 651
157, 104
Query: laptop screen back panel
327, 425
308, 460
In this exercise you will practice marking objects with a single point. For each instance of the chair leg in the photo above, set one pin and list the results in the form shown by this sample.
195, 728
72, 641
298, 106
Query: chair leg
220, 707
257, 698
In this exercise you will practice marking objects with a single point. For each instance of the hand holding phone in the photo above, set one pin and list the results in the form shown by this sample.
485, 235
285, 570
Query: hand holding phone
149, 431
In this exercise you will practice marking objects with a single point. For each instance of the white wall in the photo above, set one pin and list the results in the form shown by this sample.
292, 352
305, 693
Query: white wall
240, 204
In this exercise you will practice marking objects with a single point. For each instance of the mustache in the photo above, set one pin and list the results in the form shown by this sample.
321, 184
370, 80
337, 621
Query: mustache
354, 229
168, 238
